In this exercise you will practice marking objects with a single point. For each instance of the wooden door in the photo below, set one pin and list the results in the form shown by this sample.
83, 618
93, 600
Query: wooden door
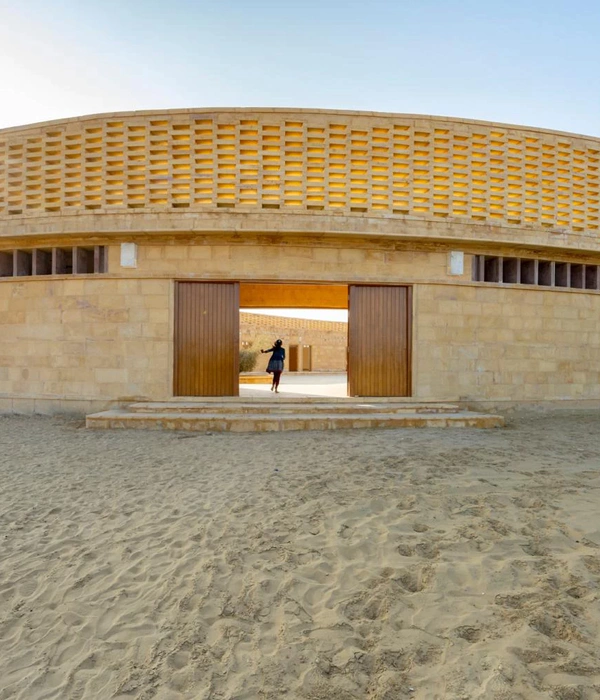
293, 358
306, 358
379, 323
206, 352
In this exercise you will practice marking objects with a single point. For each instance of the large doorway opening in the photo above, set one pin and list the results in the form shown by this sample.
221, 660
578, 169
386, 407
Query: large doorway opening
208, 344
312, 322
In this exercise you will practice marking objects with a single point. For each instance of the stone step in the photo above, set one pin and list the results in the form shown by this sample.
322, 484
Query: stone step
254, 422
284, 397
278, 407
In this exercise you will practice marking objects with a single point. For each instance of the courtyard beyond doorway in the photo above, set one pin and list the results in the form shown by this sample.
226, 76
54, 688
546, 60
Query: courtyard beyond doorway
300, 384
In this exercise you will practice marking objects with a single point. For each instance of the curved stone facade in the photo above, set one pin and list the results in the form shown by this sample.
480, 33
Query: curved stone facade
333, 170
297, 197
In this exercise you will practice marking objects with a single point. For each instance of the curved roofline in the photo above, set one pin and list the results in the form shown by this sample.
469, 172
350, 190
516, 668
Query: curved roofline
291, 110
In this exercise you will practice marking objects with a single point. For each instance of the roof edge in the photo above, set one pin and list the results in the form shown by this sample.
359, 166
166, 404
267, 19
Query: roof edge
291, 110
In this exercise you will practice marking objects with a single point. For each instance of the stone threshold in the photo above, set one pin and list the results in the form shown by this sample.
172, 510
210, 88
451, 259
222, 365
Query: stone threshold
259, 416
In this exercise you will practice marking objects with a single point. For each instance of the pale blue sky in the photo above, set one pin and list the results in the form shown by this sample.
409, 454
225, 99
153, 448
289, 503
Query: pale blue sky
517, 61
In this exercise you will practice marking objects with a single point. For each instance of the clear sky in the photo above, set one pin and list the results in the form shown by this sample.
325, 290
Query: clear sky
532, 62
528, 62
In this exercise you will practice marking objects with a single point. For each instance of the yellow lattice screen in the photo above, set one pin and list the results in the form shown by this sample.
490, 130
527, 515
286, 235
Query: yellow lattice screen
339, 163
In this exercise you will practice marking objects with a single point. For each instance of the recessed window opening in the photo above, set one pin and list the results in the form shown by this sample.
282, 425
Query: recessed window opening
577, 279
491, 270
23, 263
528, 272
562, 277
42, 262
53, 261
83, 261
510, 271
545, 273
100, 259
591, 277
62, 261
6, 264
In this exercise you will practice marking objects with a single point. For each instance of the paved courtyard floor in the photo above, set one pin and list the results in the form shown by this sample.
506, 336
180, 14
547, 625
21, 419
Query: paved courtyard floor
302, 384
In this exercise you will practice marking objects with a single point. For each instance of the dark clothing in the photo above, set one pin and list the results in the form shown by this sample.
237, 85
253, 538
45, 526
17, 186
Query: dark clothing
278, 353
276, 362
275, 366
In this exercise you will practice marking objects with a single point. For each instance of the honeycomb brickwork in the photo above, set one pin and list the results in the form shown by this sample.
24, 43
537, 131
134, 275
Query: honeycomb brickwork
336, 162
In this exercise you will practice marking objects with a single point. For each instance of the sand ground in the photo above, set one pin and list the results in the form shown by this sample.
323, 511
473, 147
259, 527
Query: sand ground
430, 564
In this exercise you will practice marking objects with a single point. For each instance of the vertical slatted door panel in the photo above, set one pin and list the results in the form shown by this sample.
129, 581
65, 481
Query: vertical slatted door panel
206, 339
379, 341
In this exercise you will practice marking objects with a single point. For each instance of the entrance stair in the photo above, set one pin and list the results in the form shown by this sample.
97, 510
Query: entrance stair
232, 414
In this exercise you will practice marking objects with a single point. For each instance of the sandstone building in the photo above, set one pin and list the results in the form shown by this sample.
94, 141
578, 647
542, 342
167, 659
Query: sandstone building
467, 252
311, 345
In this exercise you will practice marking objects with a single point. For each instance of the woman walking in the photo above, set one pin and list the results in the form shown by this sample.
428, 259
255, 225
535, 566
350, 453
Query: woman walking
275, 366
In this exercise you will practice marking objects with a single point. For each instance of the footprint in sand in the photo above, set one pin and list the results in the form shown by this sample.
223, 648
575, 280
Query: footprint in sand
416, 581
468, 633
178, 660
554, 625
407, 503
363, 608
592, 564
539, 654
427, 550
517, 601
427, 654
406, 550
535, 549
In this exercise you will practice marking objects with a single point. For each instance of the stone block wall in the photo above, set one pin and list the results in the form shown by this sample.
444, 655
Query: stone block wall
506, 343
82, 342
360, 262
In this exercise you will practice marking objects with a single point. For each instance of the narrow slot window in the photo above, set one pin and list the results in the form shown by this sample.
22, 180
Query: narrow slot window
546, 273
23, 263
591, 277
6, 264
62, 261
511, 271
491, 270
83, 261
577, 280
42, 262
100, 259
529, 272
562, 276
